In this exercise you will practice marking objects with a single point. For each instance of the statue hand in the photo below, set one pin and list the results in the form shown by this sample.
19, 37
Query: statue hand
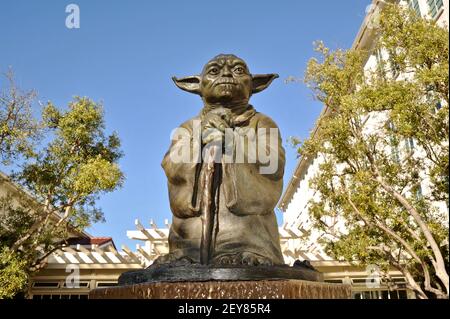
214, 124
216, 121
211, 135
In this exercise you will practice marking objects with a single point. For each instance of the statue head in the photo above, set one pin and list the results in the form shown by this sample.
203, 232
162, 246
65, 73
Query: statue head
225, 81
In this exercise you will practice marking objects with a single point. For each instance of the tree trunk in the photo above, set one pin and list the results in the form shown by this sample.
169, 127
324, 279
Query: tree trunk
439, 264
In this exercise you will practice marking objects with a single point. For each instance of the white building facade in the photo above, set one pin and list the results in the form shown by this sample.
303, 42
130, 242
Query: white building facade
294, 202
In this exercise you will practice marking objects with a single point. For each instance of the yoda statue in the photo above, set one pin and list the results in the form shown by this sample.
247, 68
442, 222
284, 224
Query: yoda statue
224, 186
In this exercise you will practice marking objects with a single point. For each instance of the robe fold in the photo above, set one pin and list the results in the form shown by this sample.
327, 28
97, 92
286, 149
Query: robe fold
245, 220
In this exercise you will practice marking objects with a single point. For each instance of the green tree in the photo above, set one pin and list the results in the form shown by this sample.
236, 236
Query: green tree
18, 129
65, 178
382, 138
13, 273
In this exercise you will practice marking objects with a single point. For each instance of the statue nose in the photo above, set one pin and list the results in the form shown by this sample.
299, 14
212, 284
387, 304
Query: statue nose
227, 72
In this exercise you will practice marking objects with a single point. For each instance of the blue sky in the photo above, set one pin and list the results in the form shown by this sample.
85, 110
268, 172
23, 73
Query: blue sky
125, 52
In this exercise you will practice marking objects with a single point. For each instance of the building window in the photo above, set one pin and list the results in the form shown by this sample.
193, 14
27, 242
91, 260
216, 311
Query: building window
59, 297
409, 145
359, 280
414, 4
380, 66
402, 294
82, 284
45, 284
430, 99
333, 281
106, 284
447, 202
378, 56
418, 192
380, 294
399, 280
434, 6
393, 141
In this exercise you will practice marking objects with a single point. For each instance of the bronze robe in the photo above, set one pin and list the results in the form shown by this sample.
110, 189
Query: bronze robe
245, 220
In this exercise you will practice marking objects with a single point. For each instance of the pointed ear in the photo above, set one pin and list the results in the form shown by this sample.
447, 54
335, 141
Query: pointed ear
262, 81
190, 84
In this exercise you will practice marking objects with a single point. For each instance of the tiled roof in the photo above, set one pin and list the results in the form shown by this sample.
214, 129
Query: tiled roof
90, 241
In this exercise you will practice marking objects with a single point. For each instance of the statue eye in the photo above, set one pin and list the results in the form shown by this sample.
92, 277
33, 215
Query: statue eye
239, 70
213, 71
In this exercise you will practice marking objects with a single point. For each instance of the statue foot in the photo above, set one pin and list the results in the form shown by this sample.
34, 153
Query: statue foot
172, 259
244, 258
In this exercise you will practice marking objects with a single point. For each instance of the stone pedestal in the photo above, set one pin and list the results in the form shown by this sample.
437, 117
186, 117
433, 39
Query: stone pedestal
194, 281
249, 289
181, 272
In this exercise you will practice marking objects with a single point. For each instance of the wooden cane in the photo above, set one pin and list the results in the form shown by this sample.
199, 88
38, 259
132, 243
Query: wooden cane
208, 207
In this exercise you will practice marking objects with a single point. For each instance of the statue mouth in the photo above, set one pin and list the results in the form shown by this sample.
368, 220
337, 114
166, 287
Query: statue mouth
226, 81
226, 84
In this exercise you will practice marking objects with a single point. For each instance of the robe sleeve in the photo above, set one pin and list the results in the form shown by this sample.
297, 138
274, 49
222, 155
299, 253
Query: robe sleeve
255, 188
182, 175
